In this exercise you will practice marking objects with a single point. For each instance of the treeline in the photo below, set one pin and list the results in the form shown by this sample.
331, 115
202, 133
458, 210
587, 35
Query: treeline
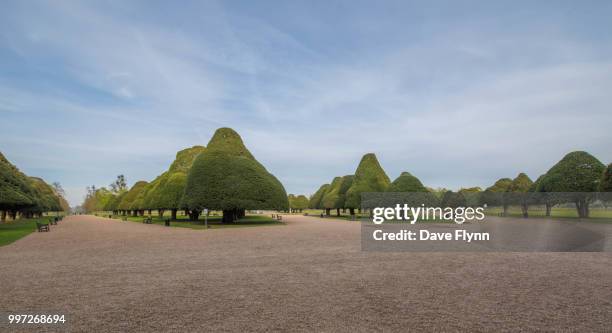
24, 196
574, 179
223, 176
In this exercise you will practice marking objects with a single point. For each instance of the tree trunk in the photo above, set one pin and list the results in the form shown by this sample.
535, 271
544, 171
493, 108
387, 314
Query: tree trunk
228, 216
327, 211
134, 213
3, 216
548, 209
150, 212
337, 211
174, 213
160, 212
524, 209
352, 211
582, 207
194, 215
505, 213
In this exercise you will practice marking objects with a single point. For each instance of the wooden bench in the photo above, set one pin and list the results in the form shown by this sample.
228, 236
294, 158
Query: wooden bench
42, 227
147, 220
279, 217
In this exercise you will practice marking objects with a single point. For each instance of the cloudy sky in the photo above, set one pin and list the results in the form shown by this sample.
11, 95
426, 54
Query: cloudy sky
459, 93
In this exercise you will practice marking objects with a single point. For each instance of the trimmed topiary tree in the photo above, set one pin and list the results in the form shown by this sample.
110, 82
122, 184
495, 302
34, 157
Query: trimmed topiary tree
369, 177
576, 175
317, 198
494, 195
406, 183
517, 192
332, 195
300, 203
227, 177
128, 199
16, 191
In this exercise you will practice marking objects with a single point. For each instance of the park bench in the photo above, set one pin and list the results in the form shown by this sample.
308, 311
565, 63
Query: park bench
147, 220
305, 214
279, 217
42, 227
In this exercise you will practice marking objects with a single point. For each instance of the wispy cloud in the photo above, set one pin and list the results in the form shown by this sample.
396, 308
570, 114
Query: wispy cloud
92, 89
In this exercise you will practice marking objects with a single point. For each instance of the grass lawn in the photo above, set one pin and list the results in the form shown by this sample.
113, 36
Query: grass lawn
14, 230
214, 222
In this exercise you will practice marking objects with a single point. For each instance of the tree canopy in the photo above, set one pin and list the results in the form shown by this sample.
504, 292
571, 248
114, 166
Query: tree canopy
29, 195
317, 197
578, 171
369, 177
227, 177
406, 183
130, 196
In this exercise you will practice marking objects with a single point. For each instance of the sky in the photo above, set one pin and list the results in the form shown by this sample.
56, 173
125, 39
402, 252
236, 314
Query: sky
458, 93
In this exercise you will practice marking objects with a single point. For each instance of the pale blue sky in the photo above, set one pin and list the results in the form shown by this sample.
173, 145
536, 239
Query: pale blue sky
459, 93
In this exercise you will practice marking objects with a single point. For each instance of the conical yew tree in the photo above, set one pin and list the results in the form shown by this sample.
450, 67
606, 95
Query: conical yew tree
227, 177
369, 177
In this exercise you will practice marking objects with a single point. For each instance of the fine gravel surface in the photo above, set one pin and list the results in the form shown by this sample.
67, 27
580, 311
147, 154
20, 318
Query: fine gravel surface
308, 275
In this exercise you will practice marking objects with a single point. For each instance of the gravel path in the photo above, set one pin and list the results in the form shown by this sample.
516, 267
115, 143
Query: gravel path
310, 275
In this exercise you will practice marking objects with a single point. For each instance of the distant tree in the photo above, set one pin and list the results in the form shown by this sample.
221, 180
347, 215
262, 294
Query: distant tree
332, 195
438, 191
406, 183
300, 203
119, 185
495, 195
316, 199
518, 192
453, 200
59, 190
369, 177
472, 195
576, 175
127, 201
227, 177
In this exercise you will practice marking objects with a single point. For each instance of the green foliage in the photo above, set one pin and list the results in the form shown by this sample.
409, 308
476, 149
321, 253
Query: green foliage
16, 191
522, 183
406, 183
317, 198
453, 199
300, 202
113, 203
494, 194
184, 159
166, 191
369, 177
227, 177
332, 195
128, 199
605, 185
578, 171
